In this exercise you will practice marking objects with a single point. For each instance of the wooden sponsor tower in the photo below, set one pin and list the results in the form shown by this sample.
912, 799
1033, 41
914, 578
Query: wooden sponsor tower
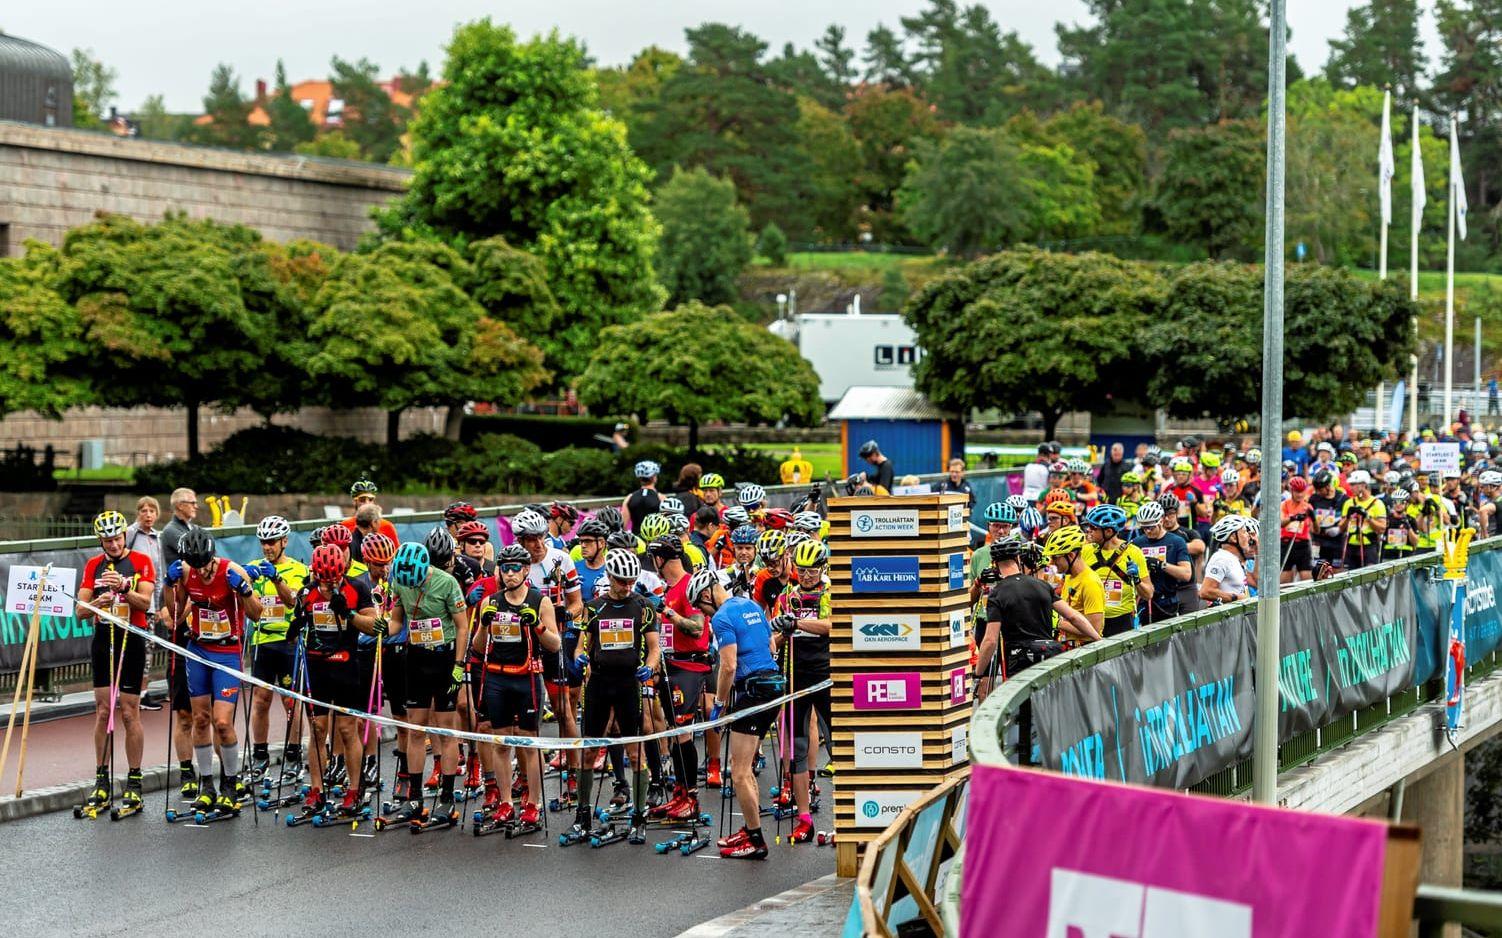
899, 656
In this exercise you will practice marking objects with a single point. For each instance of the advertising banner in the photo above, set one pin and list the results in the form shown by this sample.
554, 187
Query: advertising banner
884, 574
1054, 856
1169, 715
63, 639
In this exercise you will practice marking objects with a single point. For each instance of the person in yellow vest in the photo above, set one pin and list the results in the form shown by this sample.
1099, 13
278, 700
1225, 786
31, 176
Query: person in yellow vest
1080, 587
1363, 522
1121, 567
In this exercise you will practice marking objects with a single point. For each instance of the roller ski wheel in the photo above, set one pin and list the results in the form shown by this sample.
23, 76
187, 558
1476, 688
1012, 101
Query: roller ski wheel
308, 814
342, 814
401, 815
559, 805
522, 829
662, 847
782, 813
443, 817
125, 811
824, 838
202, 818
174, 816
577, 834
609, 836
276, 804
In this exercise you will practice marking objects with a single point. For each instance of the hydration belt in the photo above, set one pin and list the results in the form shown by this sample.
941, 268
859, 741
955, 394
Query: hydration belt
763, 685
530, 666
697, 657
332, 657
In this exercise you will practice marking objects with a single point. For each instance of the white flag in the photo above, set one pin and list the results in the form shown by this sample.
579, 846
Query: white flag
1386, 169
1457, 184
1420, 196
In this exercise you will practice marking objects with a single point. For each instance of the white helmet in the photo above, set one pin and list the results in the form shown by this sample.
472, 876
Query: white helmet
701, 580
809, 521
749, 493
1360, 477
1478, 446
1491, 477
528, 523
1230, 477
1392, 477
1226, 528
1149, 514
273, 528
622, 564
794, 538
646, 469
671, 505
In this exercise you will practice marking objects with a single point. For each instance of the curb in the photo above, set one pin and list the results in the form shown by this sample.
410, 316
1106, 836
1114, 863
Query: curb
727, 923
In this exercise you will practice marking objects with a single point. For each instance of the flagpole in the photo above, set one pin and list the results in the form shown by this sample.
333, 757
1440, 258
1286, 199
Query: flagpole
1450, 289
1416, 186
1384, 179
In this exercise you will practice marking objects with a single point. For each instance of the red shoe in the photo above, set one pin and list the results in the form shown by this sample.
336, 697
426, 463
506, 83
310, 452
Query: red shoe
472, 779
558, 762
712, 777
314, 799
531, 814
739, 837
784, 797
492, 798
745, 850
433, 779
600, 760
351, 800
666, 808
685, 808
803, 831
504, 813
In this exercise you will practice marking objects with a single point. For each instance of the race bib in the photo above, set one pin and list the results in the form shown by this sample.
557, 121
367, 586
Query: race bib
213, 623
428, 632
505, 627
1396, 537
272, 611
1157, 553
1052, 578
1325, 517
120, 610
323, 619
1114, 590
616, 634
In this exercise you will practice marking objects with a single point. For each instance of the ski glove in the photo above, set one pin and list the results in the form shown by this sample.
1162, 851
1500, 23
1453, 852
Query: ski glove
577, 666
643, 674
175, 571
237, 582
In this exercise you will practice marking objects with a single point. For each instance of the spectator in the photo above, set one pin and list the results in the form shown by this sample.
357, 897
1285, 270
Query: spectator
882, 471
956, 482
143, 536
1493, 407
1035, 474
1295, 452
687, 486
184, 509
618, 441
1112, 469
706, 520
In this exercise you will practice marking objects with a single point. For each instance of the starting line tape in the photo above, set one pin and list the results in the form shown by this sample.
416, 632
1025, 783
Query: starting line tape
519, 742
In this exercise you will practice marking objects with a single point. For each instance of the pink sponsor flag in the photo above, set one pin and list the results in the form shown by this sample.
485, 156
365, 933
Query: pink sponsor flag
1058, 857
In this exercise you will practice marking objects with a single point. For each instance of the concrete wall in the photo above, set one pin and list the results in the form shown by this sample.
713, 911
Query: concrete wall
53, 179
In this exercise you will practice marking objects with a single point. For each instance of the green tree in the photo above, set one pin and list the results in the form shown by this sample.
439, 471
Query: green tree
153, 121
1211, 190
93, 88
836, 58
968, 67
514, 145
887, 63
832, 148
1117, 149
371, 119
227, 111
802, 72
889, 125
290, 123
1027, 330
725, 111
772, 244
983, 189
393, 329
1342, 335
624, 91
706, 240
511, 285
41, 337
333, 144
1381, 46
648, 370
1469, 82
1332, 196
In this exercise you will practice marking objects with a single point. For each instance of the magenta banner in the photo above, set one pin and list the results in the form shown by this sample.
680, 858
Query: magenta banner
888, 690
1060, 857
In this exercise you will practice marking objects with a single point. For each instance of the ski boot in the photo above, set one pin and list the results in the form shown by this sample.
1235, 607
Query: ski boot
236, 789
579, 832
827, 772
600, 755
405, 814
222, 806
655, 797
292, 769
527, 822
260, 764
620, 803
431, 783
744, 849
739, 837
759, 764
558, 763
518, 783
131, 801
189, 791
660, 810
492, 818
370, 779
99, 799
313, 807
336, 777
687, 812
803, 831
444, 816
352, 808
569, 800
638, 833
712, 775
473, 782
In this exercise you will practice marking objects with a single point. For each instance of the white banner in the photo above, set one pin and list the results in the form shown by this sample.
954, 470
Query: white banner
57, 594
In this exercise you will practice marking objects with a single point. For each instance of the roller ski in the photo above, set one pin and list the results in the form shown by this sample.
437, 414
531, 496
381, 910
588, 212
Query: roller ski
351, 810
611, 833
692, 845
528, 821
268, 803
682, 809
220, 808
313, 807
336, 778
675, 843
260, 766
825, 838
581, 832
131, 801
403, 814
620, 804
568, 800
494, 819
444, 815
99, 801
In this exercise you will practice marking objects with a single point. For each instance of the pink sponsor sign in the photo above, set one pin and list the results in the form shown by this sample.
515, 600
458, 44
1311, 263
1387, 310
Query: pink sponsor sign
957, 686
888, 690
1062, 857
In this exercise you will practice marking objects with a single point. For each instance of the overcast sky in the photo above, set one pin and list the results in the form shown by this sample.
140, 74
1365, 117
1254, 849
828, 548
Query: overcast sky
169, 47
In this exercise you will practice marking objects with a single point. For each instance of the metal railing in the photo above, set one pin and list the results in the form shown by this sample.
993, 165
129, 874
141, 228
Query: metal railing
910, 862
1437, 906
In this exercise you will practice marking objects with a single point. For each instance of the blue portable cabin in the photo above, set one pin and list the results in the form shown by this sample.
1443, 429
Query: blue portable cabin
912, 433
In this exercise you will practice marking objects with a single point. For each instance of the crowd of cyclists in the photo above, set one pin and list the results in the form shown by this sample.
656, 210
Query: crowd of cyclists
669, 610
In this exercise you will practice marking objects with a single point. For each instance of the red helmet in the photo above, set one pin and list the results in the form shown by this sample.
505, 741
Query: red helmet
328, 563
564, 511
338, 535
1298, 484
778, 518
460, 512
471, 529
377, 548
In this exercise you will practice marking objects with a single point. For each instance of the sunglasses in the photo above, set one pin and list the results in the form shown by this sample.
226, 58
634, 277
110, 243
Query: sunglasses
472, 541
513, 567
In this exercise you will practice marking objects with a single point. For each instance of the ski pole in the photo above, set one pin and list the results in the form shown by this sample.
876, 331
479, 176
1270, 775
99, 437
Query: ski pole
247, 693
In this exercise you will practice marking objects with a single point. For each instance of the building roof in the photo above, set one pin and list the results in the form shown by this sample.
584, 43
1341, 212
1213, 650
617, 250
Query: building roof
862, 402
20, 56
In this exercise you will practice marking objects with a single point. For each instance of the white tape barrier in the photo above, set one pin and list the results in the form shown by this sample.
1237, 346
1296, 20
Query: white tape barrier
519, 742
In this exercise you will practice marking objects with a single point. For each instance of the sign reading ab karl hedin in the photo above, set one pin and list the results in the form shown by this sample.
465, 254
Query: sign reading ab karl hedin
888, 690
899, 523
884, 574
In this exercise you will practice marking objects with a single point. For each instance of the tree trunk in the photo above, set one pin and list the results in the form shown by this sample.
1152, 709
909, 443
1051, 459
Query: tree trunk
453, 421
393, 427
192, 429
1050, 424
693, 438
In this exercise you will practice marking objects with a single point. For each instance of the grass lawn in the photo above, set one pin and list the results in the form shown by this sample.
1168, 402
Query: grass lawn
105, 473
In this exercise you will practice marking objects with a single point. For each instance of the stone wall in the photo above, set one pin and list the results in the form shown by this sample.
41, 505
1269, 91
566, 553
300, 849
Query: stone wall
54, 179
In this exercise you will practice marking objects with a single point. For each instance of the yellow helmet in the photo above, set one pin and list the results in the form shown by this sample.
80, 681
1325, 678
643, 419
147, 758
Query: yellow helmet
711, 480
811, 553
1210, 460
655, 526
771, 544
1065, 540
109, 524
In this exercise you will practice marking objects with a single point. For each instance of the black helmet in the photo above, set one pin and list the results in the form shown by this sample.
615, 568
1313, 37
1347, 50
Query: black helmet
1170, 503
513, 553
1322, 478
622, 539
610, 516
868, 448
594, 527
196, 548
666, 547
1008, 548
440, 545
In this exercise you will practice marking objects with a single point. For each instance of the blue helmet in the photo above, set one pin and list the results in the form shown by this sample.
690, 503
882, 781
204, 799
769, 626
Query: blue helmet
1000, 513
409, 567
1018, 502
1113, 517
1031, 520
745, 534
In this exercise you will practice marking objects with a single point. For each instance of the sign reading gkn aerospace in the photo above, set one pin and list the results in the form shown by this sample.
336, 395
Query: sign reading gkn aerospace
889, 632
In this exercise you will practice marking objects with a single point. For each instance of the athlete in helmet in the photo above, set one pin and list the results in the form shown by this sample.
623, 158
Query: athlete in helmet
1018, 629
121, 582
1363, 522
1169, 566
802, 618
776, 571
646, 500
1081, 587
687, 637
1225, 574
278, 578
1121, 566
364, 493
554, 574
